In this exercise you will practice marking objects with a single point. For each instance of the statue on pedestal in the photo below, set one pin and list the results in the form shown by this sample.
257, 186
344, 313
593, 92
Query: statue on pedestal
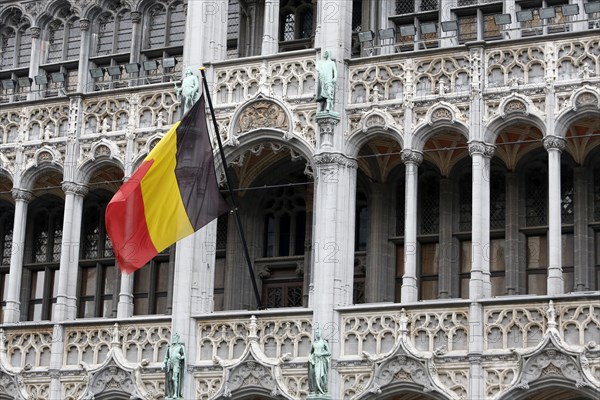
174, 367
318, 367
327, 74
189, 90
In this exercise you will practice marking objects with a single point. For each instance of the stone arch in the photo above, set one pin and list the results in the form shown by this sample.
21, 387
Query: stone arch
248, 143
366, 132
501, 122
91, 167
427, 131
404, 391
552, 388
583, 102
12, 8
31, 175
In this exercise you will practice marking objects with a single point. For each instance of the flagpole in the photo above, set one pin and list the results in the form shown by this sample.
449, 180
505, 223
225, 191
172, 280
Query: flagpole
233, 201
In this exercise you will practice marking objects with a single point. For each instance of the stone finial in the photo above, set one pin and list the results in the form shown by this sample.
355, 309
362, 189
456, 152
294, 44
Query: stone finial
253, 329
551, 315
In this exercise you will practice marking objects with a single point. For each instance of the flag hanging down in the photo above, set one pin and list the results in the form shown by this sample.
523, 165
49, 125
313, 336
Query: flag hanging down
171, 195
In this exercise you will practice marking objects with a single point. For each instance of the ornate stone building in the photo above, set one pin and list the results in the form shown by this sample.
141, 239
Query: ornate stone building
443, 232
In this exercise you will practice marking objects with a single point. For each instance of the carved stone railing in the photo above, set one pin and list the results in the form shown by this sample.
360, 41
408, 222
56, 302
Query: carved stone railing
434, 329
522, 324
287, 333
139, 341
28, 347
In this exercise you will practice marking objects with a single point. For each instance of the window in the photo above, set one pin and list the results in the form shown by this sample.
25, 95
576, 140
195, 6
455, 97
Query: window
42, 258
284, 223
6, 235
98, 275
152, 286
113, 32
164, 33
63, 37
296, 24
15, 41
428, 239
233, 28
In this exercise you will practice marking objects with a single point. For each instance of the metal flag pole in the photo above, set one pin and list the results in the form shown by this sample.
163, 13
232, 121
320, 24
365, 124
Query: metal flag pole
233, 201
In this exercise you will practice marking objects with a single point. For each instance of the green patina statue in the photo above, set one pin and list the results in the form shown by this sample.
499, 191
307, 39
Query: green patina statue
189, 90
318, 365
174, 367
327, 73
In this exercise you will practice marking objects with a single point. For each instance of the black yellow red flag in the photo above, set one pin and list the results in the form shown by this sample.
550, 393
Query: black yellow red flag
172, 194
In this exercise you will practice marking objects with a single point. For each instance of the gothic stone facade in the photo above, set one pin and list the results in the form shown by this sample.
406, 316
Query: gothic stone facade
443, 231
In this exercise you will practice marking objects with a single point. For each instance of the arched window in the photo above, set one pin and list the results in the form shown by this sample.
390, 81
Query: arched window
157, 24
114, 33
296, 24
98, 275
63, 36
15, 41
42, 257
166, 25
7, 216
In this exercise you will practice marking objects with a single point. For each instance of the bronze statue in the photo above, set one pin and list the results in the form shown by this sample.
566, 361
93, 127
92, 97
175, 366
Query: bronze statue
174, 367
327, 73
318, 365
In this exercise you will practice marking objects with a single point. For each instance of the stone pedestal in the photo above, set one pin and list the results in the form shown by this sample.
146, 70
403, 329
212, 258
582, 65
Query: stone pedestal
318, 397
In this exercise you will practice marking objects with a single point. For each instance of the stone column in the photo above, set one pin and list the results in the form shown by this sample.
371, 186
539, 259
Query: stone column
66, 303
333, 250
515, 267
36, 51
411, 159
554, 145
583, 273
270, 37
480, 283
206, 32
84, 55
12, 311
379, 286
193, 289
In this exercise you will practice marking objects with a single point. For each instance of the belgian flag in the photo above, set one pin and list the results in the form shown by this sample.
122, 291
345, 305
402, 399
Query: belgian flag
171, 195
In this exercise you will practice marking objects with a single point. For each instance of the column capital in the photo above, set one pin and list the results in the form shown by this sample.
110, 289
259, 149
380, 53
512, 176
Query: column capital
478, 147
554, 143
35, 32
409, 156
22, 194
136, 17
75, 188
339, 159
84, 24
